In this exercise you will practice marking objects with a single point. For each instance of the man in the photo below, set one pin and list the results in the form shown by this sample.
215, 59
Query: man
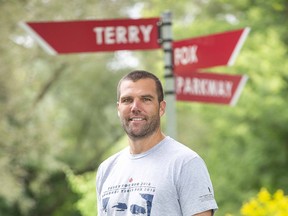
155, 175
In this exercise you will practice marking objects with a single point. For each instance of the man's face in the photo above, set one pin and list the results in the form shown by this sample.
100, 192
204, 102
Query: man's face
139, 109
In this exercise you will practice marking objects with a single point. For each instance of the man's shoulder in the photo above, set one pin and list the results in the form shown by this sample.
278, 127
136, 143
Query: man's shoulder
175, 145
113, 158
176, 149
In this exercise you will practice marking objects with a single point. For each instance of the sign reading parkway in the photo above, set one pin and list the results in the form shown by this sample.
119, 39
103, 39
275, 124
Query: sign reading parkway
209, 87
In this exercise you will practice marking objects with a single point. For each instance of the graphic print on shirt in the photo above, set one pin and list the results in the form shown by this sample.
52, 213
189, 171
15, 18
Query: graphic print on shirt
137, 198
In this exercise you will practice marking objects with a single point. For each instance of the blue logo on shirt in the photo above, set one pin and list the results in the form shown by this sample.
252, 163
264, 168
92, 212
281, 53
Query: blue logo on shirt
134, 208
120, 207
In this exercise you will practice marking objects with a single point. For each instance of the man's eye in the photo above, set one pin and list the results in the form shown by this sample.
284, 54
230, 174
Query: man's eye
126, 100
146, 99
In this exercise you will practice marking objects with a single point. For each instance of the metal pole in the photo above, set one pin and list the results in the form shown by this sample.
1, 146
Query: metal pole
167, 39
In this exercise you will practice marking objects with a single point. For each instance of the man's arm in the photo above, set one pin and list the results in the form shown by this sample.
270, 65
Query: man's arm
206, 213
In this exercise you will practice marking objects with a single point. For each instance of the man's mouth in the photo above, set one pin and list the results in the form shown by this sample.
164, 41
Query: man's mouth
136, 119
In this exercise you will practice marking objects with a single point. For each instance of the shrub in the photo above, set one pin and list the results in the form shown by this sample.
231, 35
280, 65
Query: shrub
266, 204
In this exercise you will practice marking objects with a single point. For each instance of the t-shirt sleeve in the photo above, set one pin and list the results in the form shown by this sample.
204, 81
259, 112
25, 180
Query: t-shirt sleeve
195, 188
98, 190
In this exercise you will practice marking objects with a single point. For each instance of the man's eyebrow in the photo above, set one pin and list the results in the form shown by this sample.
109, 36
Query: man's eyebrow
125, 97
141, 96
147, 96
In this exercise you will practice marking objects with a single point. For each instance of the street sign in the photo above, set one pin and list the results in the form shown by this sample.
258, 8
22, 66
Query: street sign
95, 35
209, 87
185, 57
208, 51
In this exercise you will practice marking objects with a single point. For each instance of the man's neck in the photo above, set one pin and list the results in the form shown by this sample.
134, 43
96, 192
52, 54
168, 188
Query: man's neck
138, 146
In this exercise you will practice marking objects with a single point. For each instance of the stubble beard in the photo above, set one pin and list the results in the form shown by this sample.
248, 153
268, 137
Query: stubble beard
145, 131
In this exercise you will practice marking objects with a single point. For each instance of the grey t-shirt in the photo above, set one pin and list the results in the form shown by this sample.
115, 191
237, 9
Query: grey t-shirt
169, 179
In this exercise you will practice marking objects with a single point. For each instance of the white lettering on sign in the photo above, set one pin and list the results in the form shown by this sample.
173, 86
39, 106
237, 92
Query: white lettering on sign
123, 34
185, 55
204, 87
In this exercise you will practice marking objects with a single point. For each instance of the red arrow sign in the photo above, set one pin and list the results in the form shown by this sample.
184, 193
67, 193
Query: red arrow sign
209, 87
208, 51
95, 36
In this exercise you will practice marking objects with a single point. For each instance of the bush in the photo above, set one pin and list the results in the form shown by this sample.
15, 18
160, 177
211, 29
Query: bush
266, 204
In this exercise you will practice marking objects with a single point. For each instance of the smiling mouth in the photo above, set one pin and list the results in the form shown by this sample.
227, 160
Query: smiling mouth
136, 119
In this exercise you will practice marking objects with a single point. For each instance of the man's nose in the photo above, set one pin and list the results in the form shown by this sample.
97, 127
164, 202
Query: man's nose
135, 105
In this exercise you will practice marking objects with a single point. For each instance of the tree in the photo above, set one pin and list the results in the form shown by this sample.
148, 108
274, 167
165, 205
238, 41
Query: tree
48, 106
245, 147
56, 112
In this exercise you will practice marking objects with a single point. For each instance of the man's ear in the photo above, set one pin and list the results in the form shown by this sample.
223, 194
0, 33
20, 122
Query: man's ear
118, 113
162, 108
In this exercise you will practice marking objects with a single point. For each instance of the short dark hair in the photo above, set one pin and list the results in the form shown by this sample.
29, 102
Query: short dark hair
141, 74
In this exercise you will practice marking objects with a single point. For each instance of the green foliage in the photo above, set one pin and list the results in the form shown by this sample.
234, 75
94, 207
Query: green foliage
84, 185
59, 112
53, 110
245, 147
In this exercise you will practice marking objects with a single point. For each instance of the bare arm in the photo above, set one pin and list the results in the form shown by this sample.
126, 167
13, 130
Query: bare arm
206, 213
